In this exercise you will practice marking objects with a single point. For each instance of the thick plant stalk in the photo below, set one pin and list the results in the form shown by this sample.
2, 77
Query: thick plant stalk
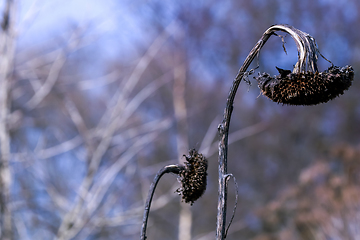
224, 133
307, 61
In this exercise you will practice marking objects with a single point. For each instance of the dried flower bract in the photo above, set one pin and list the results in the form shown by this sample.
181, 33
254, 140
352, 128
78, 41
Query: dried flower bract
193, 177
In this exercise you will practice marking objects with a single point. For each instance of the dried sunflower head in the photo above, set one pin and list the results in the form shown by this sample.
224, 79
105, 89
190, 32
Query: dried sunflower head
307, 88
193, 177
305, 85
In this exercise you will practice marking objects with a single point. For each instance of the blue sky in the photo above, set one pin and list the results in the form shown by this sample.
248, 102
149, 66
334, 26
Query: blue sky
121, 32
45, 23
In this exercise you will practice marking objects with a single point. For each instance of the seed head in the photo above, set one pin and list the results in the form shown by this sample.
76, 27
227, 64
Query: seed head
306, 88
305, 85
193, 177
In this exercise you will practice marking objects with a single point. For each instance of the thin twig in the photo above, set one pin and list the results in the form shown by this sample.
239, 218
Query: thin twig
128, 109
233, 137
235, 204
167, 169
93, 197
53, 76
128, 85
210, 134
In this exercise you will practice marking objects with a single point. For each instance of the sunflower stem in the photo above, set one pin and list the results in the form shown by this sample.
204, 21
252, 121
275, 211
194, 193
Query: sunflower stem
307, 55
167, 169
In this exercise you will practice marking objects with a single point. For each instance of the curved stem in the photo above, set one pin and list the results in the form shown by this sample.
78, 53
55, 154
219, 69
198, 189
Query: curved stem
305, 43
167, 169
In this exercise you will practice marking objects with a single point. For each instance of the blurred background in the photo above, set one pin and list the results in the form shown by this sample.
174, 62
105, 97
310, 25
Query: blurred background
97, 96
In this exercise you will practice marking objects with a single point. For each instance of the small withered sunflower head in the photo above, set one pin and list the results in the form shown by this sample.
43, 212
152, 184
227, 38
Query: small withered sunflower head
193, 177
305, 85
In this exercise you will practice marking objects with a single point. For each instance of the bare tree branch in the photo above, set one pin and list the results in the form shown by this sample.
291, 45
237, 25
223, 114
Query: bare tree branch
92, 199
209, 137
53, 76
127, 109
182, 142
57, 65
7, 46
129, 83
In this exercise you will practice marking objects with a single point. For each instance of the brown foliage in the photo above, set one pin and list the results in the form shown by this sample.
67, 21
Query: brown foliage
325, 202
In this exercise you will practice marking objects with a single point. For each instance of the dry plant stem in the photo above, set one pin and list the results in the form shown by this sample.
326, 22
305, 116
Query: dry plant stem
304, 54
167, 169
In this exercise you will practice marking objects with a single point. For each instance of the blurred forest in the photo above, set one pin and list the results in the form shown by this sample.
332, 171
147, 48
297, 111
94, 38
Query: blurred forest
89, 114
